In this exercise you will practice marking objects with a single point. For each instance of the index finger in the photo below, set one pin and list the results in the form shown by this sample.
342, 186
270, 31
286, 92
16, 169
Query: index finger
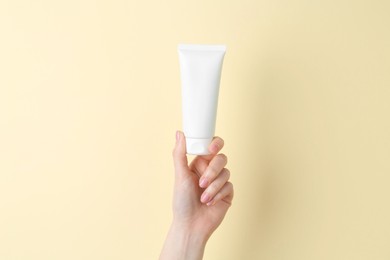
200, 162
215, 147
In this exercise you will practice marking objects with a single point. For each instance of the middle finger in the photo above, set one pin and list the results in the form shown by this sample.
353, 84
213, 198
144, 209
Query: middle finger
214, 168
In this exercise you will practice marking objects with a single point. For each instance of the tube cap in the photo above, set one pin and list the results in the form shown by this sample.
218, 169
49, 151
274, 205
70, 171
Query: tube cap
198, 146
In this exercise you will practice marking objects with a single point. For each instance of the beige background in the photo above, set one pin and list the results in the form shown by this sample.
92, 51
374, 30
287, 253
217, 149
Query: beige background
90, 101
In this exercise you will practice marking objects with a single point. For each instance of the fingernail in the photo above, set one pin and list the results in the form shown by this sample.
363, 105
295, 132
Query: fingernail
215, 147
205, 197
210, 203
203, 182
177, 135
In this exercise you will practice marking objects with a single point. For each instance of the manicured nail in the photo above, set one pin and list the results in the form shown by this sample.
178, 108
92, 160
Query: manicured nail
210, 203
177, 135
203, 182
205, 197
215, 147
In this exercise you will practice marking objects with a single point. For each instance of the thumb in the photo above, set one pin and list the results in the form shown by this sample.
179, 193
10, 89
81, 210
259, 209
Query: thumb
179, 153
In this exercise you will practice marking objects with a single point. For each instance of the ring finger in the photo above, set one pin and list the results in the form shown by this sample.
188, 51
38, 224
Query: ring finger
215, 186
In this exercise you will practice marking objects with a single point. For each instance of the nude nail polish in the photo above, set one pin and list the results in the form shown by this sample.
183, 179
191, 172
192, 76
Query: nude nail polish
203, 182
205, 198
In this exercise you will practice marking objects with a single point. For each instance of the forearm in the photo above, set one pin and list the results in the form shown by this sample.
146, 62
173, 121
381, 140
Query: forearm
183, 244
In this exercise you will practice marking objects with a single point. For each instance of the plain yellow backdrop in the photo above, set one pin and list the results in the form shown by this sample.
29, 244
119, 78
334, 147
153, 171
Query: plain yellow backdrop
90, 102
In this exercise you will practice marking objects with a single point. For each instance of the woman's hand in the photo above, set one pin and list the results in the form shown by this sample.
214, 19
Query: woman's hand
202, 196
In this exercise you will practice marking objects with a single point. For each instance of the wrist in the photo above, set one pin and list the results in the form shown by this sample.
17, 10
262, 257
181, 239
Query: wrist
192, 235
183, 243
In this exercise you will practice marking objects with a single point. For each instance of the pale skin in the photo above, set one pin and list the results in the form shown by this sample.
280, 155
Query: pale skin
202, 196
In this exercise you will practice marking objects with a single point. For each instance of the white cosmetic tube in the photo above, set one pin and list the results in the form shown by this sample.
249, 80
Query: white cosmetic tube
200, 69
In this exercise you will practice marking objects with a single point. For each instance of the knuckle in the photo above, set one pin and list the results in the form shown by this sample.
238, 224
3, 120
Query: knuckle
212, 189
219, 141
230, 186
217, 197
223, 157
227, 173
212, 172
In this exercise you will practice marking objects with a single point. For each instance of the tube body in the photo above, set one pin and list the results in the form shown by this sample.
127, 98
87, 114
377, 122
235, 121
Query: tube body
200, 70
